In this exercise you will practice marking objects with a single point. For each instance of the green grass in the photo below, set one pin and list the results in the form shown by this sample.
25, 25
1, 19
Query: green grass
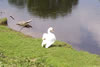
18, 50
3, 21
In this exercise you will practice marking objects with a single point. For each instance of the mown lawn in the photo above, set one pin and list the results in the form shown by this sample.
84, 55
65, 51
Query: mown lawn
18, 50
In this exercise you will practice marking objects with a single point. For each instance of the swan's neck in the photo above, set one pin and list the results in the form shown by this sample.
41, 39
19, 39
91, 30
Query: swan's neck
50, 32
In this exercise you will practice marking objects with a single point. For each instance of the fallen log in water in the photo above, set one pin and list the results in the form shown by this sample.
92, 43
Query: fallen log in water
3, 21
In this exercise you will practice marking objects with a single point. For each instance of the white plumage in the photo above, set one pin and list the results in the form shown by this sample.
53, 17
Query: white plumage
48, 38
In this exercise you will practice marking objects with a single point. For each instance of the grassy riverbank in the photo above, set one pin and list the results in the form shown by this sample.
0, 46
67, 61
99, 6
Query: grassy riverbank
18, 50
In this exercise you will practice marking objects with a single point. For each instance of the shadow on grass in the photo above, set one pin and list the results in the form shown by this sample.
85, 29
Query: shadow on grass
60, 45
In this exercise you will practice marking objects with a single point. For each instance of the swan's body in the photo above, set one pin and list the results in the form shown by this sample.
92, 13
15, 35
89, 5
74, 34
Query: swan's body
48, 38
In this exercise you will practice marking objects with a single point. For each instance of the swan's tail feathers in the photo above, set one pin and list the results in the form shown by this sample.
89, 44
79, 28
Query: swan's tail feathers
44, 36
48, 45
43, 43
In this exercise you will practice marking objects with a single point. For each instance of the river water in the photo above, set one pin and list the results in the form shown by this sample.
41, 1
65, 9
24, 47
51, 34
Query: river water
76, 22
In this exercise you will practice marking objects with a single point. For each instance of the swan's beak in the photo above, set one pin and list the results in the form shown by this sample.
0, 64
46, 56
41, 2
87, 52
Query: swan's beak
52, 30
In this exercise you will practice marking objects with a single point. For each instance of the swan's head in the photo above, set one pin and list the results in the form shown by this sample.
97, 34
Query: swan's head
50, 30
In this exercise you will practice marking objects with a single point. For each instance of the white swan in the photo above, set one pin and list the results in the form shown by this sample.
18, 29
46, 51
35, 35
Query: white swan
48, 38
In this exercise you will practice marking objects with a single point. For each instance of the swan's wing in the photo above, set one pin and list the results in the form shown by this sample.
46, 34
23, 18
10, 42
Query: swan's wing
44, 36
52, 39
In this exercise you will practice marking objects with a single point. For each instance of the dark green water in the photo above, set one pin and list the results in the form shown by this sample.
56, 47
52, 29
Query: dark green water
76, 22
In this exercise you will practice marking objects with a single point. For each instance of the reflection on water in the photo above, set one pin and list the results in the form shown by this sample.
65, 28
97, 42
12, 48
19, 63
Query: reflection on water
51, 8
47, 8
18, 3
